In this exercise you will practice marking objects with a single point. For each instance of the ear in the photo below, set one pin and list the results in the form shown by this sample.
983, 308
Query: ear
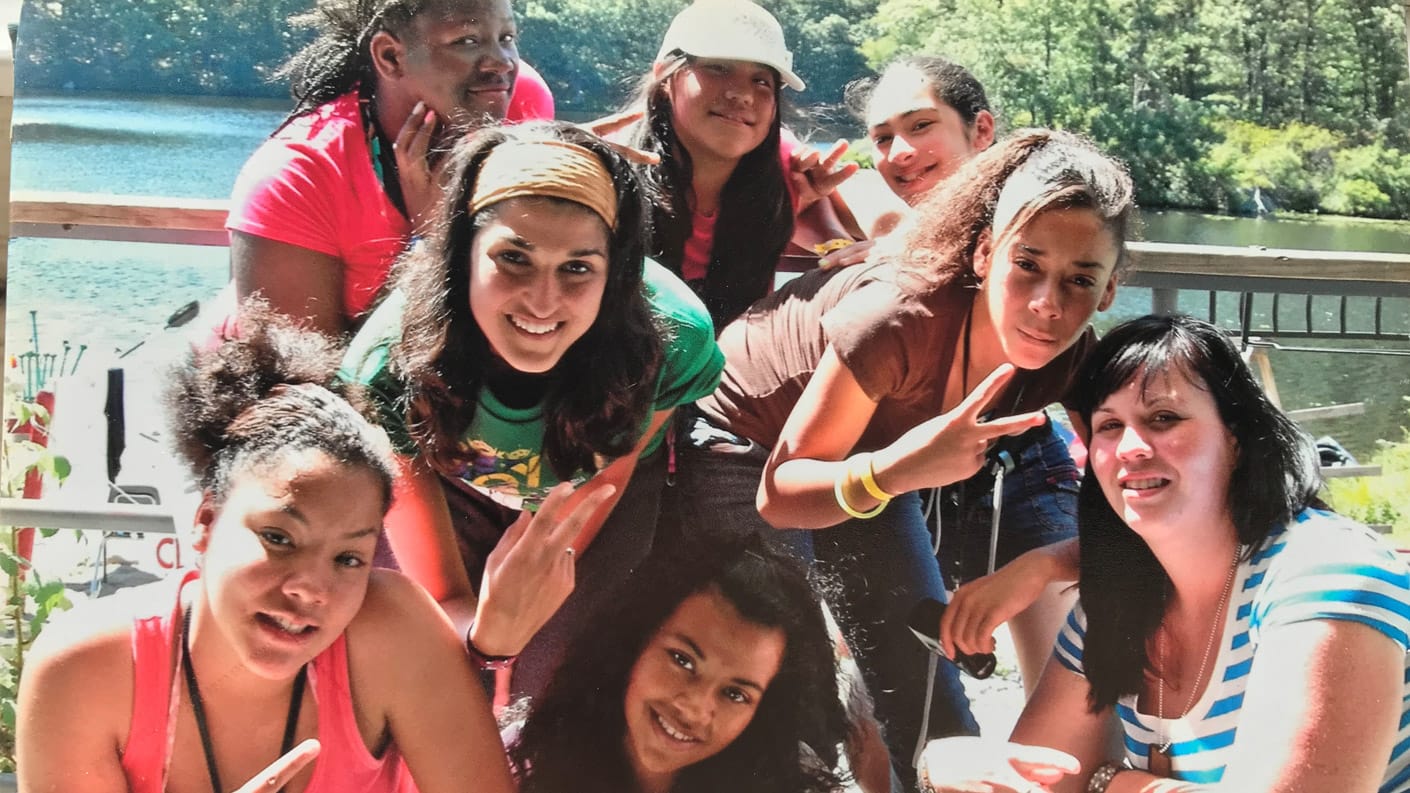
983, 131
1108, 294
204, 520
388, 55
984, 254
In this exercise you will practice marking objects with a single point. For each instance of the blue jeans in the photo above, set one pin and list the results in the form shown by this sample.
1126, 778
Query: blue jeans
873, 572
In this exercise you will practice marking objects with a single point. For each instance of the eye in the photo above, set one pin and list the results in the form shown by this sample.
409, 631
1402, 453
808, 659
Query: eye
1028, 265
577, 267
508, 38
737, 695
766, 81
275, 538
1108, 425
682, 660
922, 124
466, 41
350, 560
1165, 417
1085, 281
513, 257
881, 141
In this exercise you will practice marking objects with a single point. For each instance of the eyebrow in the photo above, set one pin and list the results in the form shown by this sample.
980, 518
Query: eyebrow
519, 242
699, 653
902, 116
1088, 265
293, 512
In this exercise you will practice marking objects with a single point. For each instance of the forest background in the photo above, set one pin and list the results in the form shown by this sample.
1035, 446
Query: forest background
1300, 104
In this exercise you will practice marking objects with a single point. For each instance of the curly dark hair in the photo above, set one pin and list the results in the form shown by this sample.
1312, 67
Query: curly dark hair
602, 392
574, 736
270, 393
755, 220
339, 57
950, 83
1061, 171
1123, 587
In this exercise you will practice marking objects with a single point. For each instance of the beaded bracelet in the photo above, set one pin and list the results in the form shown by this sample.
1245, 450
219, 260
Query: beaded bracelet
1101, 778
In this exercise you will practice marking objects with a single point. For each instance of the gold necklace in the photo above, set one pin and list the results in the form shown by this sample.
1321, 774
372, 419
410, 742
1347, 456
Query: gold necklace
1164, 748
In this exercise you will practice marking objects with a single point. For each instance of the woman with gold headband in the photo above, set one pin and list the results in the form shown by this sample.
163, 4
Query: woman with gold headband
525, 365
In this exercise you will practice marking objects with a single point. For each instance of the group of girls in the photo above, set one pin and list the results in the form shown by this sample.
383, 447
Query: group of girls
524, 369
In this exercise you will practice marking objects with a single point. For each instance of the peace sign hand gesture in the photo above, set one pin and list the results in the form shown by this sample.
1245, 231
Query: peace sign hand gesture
282, 771
951, 447
531, 570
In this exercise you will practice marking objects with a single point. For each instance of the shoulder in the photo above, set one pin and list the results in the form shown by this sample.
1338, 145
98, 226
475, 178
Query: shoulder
307, 150
1071, 639
1322, 565
398, 623
368, 356
672, 301
890, 339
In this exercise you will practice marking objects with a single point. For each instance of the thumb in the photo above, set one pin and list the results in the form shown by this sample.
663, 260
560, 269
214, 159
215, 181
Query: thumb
278, 773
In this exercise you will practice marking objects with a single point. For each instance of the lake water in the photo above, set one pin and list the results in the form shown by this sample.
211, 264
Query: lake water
110, 296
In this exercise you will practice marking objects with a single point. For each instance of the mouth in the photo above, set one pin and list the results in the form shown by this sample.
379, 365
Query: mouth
533, 327
1037, 338
914, 178
732, 118
283, 626
672, 731
1144, 484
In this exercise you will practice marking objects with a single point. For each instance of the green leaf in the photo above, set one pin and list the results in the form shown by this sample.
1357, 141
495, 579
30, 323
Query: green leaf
7, 713
61, 467
9, 563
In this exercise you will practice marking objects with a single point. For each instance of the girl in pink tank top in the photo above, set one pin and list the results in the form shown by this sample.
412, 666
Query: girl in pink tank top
282, 662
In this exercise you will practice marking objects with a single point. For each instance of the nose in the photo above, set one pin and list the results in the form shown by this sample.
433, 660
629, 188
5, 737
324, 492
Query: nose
901, 149
308, 586
542, 295
1046, 300
501, 59
1132, 445
696, 706
740, 91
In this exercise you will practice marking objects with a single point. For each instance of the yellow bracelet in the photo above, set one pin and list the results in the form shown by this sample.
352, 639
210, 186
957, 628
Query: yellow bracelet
842, 499
869, 484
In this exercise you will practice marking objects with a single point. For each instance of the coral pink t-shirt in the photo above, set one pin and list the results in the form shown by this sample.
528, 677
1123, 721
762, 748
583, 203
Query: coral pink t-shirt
343, 762
312, 185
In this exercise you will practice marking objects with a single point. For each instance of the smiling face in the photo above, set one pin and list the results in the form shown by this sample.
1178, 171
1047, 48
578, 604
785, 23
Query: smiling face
287, 556
722, 110
1043, 283
461, 59
920, 140
538, 269
696, 686
1163, 455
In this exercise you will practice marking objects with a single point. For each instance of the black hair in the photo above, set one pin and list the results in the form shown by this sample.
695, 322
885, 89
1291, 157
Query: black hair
339, 57
269, 393
1123, 587
755, 220
951, 83
602, 391
574, 738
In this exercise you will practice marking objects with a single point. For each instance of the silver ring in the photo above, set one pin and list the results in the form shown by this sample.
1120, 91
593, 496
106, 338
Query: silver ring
571, 551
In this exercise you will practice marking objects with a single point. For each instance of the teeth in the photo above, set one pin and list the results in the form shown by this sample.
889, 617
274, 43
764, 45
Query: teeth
536, 328
671, 731
289, 627
1143, 484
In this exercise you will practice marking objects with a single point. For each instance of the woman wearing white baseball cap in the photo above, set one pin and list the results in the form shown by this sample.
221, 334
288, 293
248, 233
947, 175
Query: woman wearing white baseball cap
710, 109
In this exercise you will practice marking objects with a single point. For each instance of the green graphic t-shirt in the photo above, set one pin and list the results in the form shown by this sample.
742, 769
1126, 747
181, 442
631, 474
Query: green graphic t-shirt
502, 451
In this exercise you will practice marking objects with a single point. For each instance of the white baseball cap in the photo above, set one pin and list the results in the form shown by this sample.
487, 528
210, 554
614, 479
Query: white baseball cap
731, 30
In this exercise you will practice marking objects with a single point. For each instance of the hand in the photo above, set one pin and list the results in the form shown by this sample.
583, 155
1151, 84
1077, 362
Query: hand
814, 176
616, 122
951, 447
980, 606
531, 571
412, 148
981, 765
856, 253
282, 771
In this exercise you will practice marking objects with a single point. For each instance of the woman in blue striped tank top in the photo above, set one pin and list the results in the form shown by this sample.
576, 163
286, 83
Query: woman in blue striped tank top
1247, 638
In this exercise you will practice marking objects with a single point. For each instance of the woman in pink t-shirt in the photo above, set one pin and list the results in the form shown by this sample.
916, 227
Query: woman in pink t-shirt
283, 643
731, 179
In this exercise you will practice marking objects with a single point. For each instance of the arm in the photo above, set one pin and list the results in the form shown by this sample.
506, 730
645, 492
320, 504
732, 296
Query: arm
797, 490
297, 282
435, 707
1320, 714
980, 606
69, 711
617, 474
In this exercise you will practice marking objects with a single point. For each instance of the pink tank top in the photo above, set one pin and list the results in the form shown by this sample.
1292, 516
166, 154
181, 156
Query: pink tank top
343, 764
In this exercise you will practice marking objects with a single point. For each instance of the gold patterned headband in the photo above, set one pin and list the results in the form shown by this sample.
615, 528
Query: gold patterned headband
553, 168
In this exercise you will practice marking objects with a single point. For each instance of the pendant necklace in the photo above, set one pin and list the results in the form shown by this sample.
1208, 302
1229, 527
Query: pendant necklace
198, 708
1158, 754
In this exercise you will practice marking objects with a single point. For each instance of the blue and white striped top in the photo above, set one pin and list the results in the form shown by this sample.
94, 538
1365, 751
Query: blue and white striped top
1323, 566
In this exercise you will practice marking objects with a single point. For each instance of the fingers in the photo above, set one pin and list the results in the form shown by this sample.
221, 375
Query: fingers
615, 122
856, 253
414, 138
1041, 764
1012, 425
280, 772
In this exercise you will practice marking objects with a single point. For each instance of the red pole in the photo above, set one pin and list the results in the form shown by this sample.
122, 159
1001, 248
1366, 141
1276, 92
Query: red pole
33, 480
